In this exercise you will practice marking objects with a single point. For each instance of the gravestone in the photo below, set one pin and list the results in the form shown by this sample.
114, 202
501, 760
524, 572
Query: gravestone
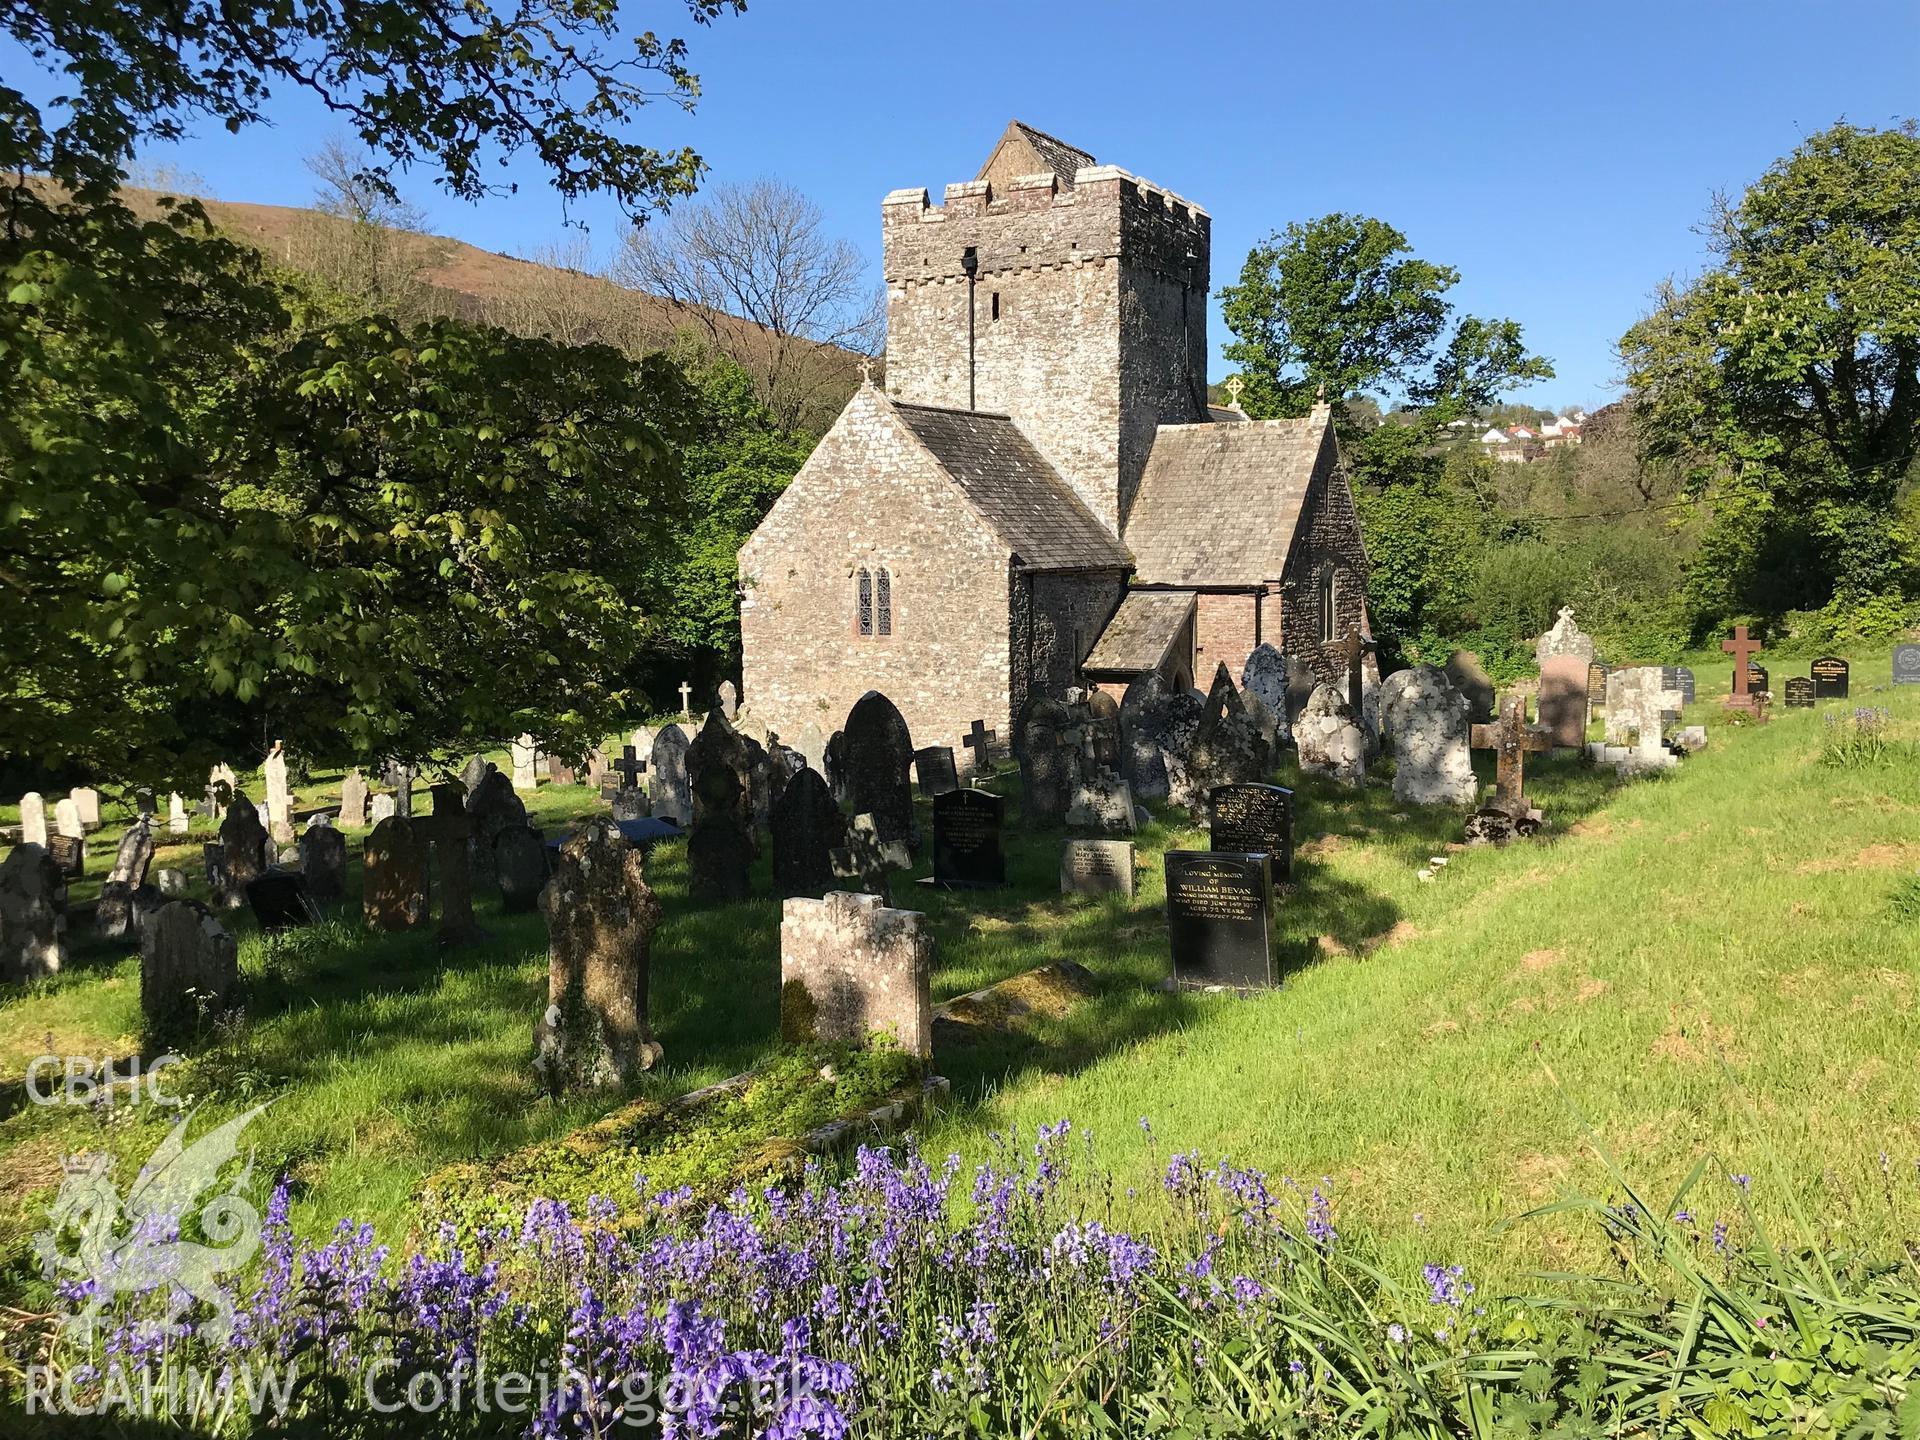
1227, 748
1470, 678
630, 802
1743, 648
279, 797
66, 818
33, 819
629, 767
813, 745
1264, 677
1096, 867
783, 763
933, 767
601, 916
1565, 640
170, 882
966, 840
1253, 820
520, 859
1831, 676
729, 700
323, 860
1800, 693
278, 898
852, 968
244, 839
834, 759
864, 862
1145, 717
394, 875
1639, 704
667, 766
116, 916
222, 786
1219, 908
642, 741
1512, 740
597, 767
525, 758
1564, 708
177, 821
1680, 678
1597, 685
1101, 801
1758, 680
213, 861
400, 776
1046, 756
473, 772
1328, 739
720, 843
381, 807
807, 828
450, 833
69, 853
1103, 730
879, 751
558, 771
353, 800
759, 788
33, 920
1427, 721
1906, 664
490, 809
979, 747
86, 803
189, 970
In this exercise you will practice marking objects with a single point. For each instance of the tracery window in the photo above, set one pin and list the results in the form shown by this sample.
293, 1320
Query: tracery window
863, 605
883, 605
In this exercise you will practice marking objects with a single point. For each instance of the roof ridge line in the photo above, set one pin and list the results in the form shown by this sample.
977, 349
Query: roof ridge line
949, 409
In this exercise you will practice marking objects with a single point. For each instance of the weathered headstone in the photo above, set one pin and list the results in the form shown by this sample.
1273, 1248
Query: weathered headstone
1564, 708
177, 821
279, 797
759, 787
966, 839
783, 763
450, 832
1101, 801
1831, 678
520, 859
86, 803
1512, 739
1470, 678
381, 807
1426, 719
1906, 664
601, 915
834, 766
1800, 692
213, 861
1227, 748
558, 771
1743, 648
474, 771
1264, 677
490, 809
33, 920
851, 968
222, 786
525, 756
933, 767
1639, 704
813, 745
879, 752
323, 860
865, 862
1566, 639
170, 882
394, 875
244, 839
1096, 867
667, 767
278, 898
189, 970
1328, 738
116, 916
630, 802
720, 843
353, 800
729, 697
807, 828
400, 775
33, 819
1046, 756
1253, 820
66, 818
597, 767
1219, 909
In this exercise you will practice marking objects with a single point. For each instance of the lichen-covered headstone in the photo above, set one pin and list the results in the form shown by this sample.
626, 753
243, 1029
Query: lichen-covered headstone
1328, 738
601, 915
394, 875
807, 828
244, 839
1227, 748
177, 821
851, 969
1045, 750
879, 753
116, 917
1470, 678
490, 809
353, 800
672, 789
279, 797
720, 842
1425, 719
1565, 638
1264, 678
323, 860
189, 969
33, 921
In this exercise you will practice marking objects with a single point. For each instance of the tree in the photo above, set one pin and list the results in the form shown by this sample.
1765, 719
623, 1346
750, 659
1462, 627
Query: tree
1786, 378
1338, 306
760, 253
135, 508
362, 241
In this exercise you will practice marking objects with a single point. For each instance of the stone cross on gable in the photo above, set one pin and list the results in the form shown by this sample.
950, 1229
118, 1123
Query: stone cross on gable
866, 370
1743, 649
686, 698
1234, 386
1356, 647
630, 766
1511, 738
979, 740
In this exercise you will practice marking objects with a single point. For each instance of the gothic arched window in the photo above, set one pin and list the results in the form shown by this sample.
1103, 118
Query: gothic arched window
1327, 598
863, 604
883, 606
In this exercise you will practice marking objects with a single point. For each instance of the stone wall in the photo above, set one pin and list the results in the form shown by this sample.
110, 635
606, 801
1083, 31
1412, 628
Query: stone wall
1088, 315
1054, 621
1329, 533
870, 495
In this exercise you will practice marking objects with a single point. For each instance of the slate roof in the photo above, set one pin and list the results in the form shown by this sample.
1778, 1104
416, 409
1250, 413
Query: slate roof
1030, 507
1054, 153
1218, 504
1141, 631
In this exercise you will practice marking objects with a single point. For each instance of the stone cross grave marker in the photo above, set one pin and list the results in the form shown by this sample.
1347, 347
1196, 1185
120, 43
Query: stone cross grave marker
1831, 677
1800, 693
852, 968
1233, 388
1253, 820
980, 741
966, 839
1219, 910
1743, 648
686, 699
1512, 739
630, 767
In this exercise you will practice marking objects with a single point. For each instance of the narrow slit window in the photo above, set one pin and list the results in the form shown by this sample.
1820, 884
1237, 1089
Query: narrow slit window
996, 304
1326, 604
883, 620
864, 602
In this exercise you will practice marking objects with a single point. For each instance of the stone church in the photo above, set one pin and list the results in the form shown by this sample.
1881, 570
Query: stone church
1041, 496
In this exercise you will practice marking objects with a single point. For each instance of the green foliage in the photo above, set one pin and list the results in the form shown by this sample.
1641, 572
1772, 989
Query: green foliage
1861, 740
1787, 378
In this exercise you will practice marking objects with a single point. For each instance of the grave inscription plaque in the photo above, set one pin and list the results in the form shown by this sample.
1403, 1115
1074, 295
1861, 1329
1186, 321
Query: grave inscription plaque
1218, 911
1831, 676
1253, 819
966, 840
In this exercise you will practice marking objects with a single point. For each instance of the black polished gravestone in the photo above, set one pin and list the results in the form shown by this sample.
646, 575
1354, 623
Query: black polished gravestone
1253, 819
1678, 677
1757, 678
1830, 677
966, 840
934, 767
1800, 693
1218, 911
1597, 682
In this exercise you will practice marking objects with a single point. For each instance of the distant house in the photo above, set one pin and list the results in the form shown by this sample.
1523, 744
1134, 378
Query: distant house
1520, 443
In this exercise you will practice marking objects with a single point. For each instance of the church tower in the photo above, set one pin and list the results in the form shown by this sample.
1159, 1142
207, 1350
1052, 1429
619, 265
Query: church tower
1068, 295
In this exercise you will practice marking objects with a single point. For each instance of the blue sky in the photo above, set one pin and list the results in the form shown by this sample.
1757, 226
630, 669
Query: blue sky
1559, 156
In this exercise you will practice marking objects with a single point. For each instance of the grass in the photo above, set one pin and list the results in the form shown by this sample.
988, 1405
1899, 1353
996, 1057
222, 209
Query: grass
1749, 917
